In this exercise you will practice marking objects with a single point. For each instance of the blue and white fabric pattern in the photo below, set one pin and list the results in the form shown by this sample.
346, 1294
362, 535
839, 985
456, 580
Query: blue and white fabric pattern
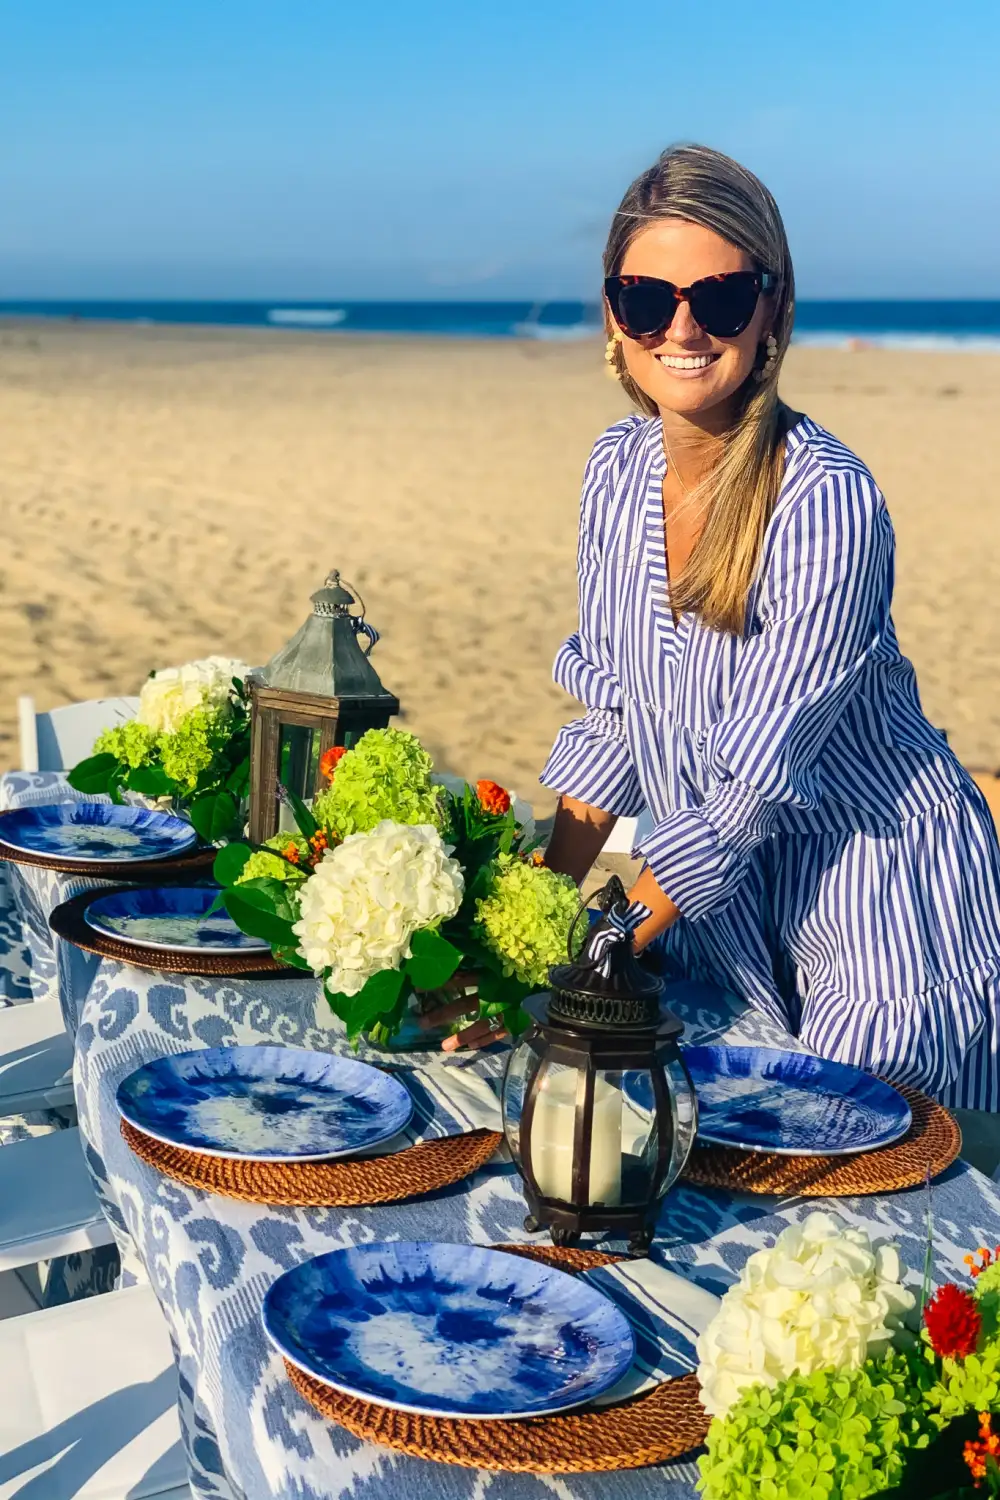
832, 861
211, 1260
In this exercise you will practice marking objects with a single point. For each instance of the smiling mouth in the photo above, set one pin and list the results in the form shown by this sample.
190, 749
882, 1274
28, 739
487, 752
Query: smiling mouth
687, 361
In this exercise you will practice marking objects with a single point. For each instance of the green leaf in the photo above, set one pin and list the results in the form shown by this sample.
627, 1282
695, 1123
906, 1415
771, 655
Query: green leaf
214, 815
292, 957
377, 998
239, 778
303, 817
433, 960
151, 781
229, 863
257, 920
498, 991
94, 774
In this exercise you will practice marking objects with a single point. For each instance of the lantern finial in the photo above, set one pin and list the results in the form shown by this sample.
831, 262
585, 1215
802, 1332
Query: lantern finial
609, 989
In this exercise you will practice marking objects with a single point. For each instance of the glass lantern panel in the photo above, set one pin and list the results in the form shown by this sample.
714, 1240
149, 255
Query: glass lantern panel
640, 1136
522, 1066
298, 767
685, 1110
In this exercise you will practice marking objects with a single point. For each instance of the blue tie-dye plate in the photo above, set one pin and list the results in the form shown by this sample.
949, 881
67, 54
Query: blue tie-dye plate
791, 1103
448, 1330
94, 832
173, 918
265, 1103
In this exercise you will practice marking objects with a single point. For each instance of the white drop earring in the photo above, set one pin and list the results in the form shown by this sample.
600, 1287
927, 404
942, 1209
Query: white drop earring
771, 350
610, 352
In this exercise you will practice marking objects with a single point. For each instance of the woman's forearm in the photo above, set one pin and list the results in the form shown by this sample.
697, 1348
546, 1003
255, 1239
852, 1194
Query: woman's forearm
578, 836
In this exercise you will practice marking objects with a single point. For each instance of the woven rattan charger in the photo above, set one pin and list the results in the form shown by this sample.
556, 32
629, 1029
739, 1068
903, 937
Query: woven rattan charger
69, 921
653, 1428
929, 1147
349, 1183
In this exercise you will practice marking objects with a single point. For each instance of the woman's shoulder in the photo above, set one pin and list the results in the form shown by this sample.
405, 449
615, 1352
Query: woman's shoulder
620, 439
818, 466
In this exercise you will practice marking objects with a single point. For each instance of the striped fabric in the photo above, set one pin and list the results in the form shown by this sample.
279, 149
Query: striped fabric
832, 861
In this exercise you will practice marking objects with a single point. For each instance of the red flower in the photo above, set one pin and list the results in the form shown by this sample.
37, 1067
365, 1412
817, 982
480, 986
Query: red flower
330, 759
493, 797
952, 1320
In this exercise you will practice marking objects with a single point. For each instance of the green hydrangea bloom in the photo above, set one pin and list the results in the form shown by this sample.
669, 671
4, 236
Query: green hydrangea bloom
526, 917
986, 1290
827, 1436
132, 743
262, 865
192, 748
969, 1384
386, 775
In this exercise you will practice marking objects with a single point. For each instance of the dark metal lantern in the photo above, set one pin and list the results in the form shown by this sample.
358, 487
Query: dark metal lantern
598, 1108
318, 691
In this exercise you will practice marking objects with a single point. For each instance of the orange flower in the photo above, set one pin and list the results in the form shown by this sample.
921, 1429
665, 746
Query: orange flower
329, 760
537, 859
291, 853
318, 844
493, 798
977, 1455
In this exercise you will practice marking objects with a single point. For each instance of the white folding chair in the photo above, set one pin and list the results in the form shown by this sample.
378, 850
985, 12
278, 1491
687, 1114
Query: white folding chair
48, 1206
58, 739
36, 1058
89, 1410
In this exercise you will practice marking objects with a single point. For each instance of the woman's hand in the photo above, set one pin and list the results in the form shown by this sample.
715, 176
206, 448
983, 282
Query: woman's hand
481, 1031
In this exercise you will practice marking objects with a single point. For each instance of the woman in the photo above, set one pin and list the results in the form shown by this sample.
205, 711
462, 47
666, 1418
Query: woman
817, 848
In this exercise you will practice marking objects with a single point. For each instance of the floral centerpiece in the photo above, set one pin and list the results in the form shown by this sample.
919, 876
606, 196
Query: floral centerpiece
392, 882
188, 746
824, 1380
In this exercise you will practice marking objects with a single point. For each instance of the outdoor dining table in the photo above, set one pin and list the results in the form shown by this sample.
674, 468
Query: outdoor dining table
211, 1259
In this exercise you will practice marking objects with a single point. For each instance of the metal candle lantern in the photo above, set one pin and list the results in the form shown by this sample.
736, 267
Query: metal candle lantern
599, 1111
318, 691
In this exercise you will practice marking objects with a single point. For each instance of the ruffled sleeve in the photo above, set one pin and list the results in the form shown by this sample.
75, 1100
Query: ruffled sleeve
590, 759
823, 609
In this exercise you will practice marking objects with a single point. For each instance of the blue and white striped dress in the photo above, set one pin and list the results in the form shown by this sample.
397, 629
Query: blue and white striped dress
832, 861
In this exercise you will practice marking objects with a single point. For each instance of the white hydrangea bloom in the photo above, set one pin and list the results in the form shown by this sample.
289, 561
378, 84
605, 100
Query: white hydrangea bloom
369, 895
170, 694
823, 1296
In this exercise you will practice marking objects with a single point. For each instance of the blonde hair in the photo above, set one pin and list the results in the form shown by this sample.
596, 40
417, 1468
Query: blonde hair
704, 187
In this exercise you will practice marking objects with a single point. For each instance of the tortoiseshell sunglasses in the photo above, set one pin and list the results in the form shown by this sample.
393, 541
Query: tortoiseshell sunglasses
645, 306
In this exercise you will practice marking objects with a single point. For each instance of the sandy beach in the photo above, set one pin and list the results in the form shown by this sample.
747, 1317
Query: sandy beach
166, 494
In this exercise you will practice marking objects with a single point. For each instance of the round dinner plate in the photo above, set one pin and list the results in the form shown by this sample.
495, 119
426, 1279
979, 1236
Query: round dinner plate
174, 919
95, 832
448, 1330
791, 1103
272, 1104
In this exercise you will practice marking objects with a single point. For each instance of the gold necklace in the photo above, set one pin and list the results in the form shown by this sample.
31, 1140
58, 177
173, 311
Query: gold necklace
673, 466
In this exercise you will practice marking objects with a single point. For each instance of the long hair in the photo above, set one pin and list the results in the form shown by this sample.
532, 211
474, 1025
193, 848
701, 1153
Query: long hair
704, 187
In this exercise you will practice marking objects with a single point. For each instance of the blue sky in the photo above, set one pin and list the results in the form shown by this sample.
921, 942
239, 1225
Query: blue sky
259, 148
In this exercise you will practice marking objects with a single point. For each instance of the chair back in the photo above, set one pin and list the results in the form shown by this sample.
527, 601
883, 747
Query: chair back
59, 739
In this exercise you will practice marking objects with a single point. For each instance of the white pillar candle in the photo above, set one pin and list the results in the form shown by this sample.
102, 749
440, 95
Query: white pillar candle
553, 1125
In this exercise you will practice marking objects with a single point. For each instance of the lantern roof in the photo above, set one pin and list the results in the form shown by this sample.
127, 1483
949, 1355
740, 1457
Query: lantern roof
324, 656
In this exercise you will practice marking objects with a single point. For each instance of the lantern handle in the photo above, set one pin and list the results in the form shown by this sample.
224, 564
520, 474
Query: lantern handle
361, 625
608, 897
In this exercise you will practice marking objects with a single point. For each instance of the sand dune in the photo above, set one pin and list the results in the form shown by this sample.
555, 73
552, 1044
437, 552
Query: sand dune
165, 494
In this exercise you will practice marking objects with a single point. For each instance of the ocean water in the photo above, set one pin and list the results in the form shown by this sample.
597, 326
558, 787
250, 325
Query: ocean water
919, 325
